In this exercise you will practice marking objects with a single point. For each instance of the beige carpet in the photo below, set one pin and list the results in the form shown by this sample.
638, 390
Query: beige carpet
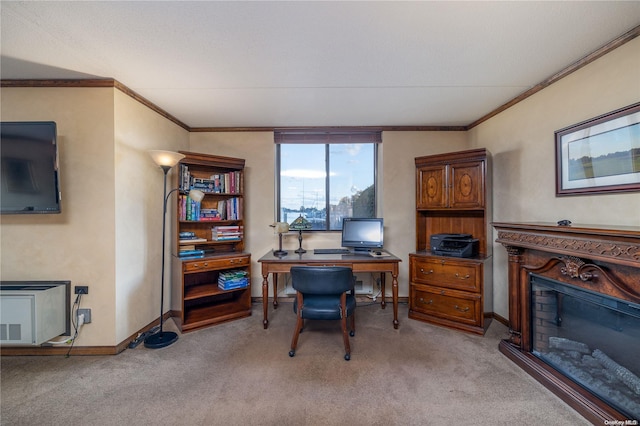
240, 374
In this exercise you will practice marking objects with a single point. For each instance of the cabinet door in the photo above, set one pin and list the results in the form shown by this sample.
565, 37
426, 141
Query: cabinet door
467, 185
431, 187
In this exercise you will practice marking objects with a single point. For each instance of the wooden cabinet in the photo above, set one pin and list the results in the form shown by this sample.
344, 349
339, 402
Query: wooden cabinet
453, 186
452, 196
209, 243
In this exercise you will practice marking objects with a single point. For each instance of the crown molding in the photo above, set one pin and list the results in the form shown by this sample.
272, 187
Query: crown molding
612, 45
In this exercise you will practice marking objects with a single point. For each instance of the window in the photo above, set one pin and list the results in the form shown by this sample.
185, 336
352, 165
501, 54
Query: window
326, 176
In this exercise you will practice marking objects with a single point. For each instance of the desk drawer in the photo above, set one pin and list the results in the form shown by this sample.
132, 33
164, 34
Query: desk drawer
453, 305
448, 273
214, 264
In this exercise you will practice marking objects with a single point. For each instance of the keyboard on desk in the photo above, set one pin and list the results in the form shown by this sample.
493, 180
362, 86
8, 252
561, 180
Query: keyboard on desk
332, 251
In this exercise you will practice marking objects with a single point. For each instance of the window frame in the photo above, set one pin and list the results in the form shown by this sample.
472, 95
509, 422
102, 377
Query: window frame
326, 138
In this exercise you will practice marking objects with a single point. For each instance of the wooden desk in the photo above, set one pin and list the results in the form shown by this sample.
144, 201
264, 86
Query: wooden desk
357, 262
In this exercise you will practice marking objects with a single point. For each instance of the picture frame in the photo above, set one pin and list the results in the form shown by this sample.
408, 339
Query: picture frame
600, 155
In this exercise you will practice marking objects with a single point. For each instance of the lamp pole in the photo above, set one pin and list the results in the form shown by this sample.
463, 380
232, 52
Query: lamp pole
162, 338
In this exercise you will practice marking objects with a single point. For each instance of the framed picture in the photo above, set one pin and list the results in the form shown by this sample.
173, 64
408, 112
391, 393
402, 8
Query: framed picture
600, 155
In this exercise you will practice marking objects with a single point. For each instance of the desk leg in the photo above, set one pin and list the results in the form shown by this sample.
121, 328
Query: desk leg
265, 299
394, 289
383, 286
274, 277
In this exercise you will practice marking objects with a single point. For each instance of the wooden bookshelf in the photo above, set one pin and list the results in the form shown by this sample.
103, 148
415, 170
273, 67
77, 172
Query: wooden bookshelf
197, 299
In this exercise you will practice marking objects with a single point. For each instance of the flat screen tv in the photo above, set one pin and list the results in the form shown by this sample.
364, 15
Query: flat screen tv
29, 177
362, 234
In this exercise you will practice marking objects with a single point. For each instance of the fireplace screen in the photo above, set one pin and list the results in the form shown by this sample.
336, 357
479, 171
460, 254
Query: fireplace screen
591, 338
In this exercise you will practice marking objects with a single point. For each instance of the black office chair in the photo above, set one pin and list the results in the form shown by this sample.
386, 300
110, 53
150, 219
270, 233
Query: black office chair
322, 295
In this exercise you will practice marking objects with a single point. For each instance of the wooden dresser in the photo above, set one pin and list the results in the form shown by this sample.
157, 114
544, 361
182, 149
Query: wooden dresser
452, 197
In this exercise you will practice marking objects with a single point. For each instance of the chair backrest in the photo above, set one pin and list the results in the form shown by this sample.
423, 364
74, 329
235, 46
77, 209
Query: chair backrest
321, 279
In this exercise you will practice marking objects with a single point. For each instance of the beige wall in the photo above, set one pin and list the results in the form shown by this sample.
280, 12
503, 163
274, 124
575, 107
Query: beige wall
78, 244
396, 189
138, 213
108, 235
521, 140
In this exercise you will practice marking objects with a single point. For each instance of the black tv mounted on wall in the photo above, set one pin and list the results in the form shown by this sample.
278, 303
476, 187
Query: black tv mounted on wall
29, 175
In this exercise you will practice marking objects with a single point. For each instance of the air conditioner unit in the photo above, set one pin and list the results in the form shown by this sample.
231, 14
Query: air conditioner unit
32, 313
364, 285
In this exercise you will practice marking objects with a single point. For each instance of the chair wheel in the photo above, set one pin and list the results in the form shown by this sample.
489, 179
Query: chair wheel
347, 357
352, 333
292, 353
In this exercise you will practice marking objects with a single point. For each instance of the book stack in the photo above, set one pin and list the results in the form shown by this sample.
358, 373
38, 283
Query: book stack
190, 238
210, 214
226, 233
233, 279
206, 185
190, 253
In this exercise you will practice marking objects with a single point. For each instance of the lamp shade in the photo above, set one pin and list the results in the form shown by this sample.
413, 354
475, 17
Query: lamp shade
300, 224
165, 158
196, 195
280, 227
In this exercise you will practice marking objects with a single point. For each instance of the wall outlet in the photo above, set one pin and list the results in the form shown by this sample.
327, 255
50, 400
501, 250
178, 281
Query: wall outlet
81, 289
86, 313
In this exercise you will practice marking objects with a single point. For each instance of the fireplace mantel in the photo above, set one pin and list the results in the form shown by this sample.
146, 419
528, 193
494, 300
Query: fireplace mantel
600, 259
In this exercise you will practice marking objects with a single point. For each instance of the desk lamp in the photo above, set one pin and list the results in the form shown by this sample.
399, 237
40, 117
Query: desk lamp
166, 160
299, 225
280, 228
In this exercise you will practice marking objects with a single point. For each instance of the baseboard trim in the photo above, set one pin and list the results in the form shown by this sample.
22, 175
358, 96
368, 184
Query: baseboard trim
77, 350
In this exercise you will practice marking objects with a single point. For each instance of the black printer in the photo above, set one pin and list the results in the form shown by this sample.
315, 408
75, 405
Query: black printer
454, 245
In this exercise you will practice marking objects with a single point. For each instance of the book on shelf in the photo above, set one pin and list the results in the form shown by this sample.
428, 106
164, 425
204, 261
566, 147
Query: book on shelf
188, 237
188, 209
184, 253
233, 279
192, 240
225, 183
185, 247
195, 256
227, 233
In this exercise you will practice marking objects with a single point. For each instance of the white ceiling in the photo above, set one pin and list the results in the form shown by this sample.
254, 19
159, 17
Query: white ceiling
292, 64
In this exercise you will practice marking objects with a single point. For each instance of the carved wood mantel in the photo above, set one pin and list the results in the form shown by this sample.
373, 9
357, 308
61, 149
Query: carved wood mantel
601, 259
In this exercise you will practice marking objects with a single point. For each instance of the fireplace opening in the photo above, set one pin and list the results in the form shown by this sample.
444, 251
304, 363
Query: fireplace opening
592, 339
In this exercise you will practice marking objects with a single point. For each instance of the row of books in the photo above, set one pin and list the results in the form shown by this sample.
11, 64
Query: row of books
187, 237
189, 209
220, 183
232, 279
190, 254
226, 233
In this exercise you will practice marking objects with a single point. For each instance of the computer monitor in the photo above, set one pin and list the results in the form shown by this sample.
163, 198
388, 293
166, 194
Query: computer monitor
362, 234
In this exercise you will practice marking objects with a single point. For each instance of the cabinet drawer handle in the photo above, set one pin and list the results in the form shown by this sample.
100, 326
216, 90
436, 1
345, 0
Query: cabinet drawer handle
430, 271
462, 277
461, 309
426, 303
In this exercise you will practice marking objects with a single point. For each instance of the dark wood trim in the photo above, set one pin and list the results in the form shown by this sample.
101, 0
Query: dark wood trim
597, 259
124, 89
334, 128
502, 320
575, 396
612, 45
78, 350
107, 82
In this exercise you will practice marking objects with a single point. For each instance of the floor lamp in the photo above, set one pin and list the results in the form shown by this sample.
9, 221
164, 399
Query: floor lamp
166, 160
